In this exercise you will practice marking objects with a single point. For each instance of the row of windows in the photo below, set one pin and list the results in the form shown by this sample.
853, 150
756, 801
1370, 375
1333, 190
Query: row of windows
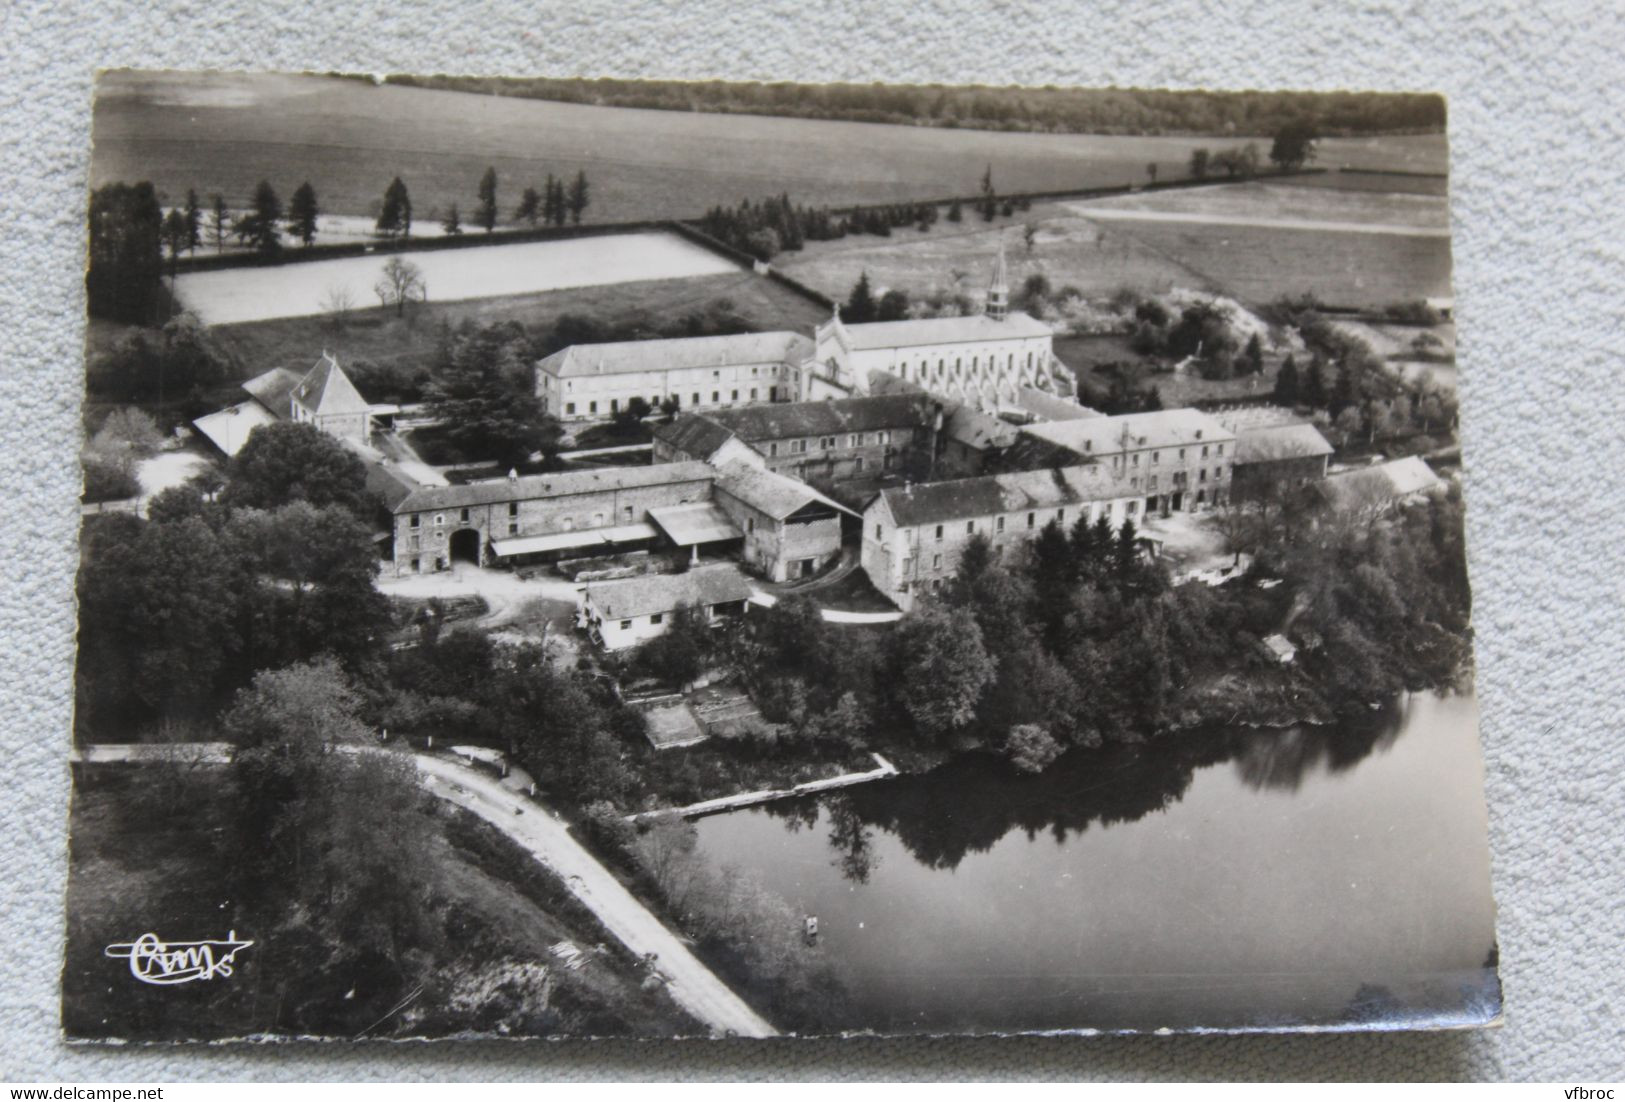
918, 373
654, 400
1156, 456
685, 376
464, 515
1181, 479
829, 443
1030, 522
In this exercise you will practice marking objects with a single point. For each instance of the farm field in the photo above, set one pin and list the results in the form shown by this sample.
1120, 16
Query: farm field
957, 259
292, 290
1282, 203
1258, 264
1252, 241
379, 337
223, 132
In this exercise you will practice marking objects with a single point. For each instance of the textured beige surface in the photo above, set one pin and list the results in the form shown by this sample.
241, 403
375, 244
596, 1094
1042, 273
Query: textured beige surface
1536, 108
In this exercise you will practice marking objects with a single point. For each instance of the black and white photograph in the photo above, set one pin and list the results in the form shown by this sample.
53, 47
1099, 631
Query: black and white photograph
585, 558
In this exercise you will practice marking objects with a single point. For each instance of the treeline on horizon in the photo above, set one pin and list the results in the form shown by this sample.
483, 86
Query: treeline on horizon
978, 107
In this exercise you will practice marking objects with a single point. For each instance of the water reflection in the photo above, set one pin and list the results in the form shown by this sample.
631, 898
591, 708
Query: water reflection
1225, 877
967, 805
1281, 759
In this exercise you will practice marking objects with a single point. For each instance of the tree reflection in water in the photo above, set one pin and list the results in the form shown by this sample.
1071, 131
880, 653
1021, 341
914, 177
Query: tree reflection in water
968, 804
1280, 758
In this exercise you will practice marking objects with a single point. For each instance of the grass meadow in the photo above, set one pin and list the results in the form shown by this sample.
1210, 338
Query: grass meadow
223, 132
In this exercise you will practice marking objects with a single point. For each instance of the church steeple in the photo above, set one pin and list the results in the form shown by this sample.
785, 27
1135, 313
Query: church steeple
998, 292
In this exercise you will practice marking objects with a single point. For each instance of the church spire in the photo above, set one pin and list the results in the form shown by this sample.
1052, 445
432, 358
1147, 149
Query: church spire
998, 292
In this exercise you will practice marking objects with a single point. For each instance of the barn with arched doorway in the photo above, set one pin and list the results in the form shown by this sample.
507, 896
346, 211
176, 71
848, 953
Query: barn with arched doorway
466, 545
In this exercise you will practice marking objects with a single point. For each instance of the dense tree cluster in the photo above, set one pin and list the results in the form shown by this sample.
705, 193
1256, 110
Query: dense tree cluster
774, 225
1348, 379
1083, 641
178, 360
178, 610
1294, 144
481, 391
109, 458
565, 728
559, 202
124, 279
1203, 331
1074, 110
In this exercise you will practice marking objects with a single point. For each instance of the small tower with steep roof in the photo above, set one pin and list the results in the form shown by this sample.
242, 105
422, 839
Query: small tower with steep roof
998, 292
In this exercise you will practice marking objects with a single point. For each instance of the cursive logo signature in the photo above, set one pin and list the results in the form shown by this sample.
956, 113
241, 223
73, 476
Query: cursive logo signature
155, 961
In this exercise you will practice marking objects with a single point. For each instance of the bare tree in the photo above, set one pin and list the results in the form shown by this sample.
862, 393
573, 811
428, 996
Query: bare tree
338, 303
402, 282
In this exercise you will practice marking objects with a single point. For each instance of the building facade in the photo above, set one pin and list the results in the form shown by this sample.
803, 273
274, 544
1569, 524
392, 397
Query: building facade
634, 610
987, 359
593, 382
572, 512
323, 396
790, 530
915, 536
1176, 460
825, 443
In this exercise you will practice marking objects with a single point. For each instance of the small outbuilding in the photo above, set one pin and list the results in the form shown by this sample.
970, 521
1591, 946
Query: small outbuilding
625, 613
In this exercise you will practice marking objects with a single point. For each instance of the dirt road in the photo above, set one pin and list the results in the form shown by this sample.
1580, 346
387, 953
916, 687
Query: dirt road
695, 987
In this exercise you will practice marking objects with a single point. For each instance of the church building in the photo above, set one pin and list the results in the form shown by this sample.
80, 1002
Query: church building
987, 360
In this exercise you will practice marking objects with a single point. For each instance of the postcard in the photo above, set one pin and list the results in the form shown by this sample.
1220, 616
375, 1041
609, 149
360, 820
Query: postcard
589, 558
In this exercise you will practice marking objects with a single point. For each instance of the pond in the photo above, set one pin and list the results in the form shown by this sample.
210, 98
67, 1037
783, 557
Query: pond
304, 289
1230, 878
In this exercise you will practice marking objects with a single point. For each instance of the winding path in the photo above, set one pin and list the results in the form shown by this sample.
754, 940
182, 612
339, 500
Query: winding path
694, 986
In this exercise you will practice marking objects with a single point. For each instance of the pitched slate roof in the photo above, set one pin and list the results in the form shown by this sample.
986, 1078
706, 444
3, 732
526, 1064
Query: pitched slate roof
1269, 442
327, 390
991, 495
1050, 407
652, 593
1392, 480
918, 331
1108, 435
228, 429
776, 495
696, 522
620, 357
693, 434
560, 484
273, 388
980, 431
788, 420
390, 483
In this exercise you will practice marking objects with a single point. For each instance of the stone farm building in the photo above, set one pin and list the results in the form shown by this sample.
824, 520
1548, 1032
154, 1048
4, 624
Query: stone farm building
1174, 459
987, 359
826, 443
570, 513
914, 536
780, 527
322, 396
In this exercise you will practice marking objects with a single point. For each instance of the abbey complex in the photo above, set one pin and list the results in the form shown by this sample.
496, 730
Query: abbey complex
885, 446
